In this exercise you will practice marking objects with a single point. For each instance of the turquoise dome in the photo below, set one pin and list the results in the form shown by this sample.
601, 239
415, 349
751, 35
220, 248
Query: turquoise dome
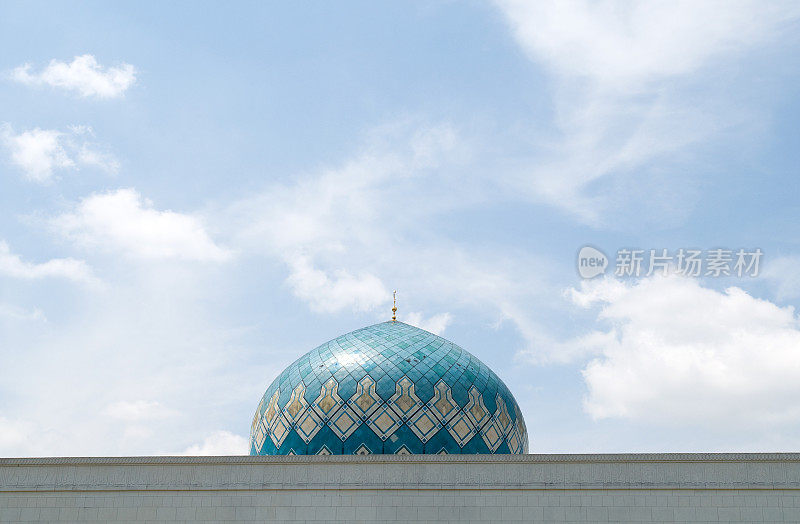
387, 388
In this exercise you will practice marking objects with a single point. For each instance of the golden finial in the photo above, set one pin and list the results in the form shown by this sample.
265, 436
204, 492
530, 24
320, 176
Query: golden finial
394, 306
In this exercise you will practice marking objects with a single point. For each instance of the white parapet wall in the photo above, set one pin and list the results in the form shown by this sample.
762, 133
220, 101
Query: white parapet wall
386, 488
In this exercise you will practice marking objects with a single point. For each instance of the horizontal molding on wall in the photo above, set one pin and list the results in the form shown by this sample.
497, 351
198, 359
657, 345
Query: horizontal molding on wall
548, 472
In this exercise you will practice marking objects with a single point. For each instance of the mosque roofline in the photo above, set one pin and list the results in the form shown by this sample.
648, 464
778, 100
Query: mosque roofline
532, 458
645, 471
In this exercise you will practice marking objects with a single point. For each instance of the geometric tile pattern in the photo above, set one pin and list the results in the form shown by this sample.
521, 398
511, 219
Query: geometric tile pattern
387, 388
384, 422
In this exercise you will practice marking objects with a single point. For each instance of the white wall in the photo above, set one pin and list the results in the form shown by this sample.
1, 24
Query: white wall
561, 488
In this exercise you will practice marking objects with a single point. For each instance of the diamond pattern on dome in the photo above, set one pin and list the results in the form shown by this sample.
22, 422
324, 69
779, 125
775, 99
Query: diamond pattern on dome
260, 435
328, 401
492, 434
404, 401
270, 415
309, 425
384, 422
424, 425
387, 388
461, 428
365, 400
475, 409
344, 423
442, 404
503, 418
257, 418
514, 441
296, 406
280, 431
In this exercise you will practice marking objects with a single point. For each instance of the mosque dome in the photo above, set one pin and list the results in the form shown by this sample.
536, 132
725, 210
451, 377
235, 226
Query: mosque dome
390, 388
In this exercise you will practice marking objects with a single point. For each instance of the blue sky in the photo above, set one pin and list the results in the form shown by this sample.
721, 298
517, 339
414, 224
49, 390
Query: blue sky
196, 194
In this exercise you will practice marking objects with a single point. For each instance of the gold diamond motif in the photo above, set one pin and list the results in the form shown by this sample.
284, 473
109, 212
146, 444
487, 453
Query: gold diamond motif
365, 400
328, 401
256, 417
260, 435
403, 451
521, 430
475, 409
513, 441
309, 425
280, 430
344, 423
491, 434
405, 401
461, 429
424, 425
296, 405
384, 422
362, 450
503, 418
272, 410
324, 451
442, 404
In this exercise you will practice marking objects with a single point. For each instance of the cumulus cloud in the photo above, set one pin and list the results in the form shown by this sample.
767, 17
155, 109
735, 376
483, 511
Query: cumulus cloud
435, 324
220, 443
335, 292
84, 75
13, 266
39, 153
676, 352
621, 89
122, 220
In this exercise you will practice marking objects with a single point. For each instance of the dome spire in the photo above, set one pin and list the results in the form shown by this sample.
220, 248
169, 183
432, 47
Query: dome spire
394, 306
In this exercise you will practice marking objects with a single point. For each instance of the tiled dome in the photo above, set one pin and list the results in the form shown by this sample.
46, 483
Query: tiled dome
387, 388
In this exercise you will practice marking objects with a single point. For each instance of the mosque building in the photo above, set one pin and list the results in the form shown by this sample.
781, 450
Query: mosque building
391, 423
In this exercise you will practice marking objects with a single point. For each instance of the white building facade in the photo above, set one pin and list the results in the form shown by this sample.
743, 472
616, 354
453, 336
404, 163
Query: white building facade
416, 488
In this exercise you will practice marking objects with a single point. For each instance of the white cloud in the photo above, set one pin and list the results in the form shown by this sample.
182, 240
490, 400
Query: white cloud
329, 228
345, 232
331, 293
41, 152
784, 274
220, 443
83, 75
435, 324
37, 152
18, 313
629, 90
626, 46
13, 266
122, 220
676, 353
